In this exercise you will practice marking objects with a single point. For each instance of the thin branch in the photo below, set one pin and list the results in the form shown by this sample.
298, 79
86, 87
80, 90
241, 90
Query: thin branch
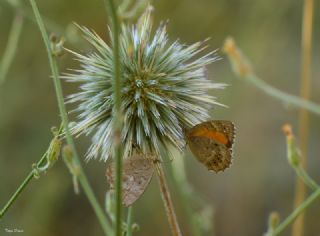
22, 187
124, 6
295, 159
165, 193
58, 89
306, 61
186, 194
298, 211
28, 14
117, 125
135, 10
242, 68
11, 47
50, 156
118, 120
129, 221
304, 176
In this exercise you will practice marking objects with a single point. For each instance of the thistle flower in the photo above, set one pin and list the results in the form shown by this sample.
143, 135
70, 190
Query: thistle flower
165, 90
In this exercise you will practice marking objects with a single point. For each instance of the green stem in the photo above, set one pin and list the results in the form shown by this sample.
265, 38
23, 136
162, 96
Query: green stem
21, 187
58, 88
242, 68
185, 193
306, 178
129, 221
282, 96
118, 120
135, 11
28, 14
124, 6
11, 47
294, 158
300, 209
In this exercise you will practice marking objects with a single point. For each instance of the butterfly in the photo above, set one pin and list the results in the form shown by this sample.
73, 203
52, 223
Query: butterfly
137, 174
211, 143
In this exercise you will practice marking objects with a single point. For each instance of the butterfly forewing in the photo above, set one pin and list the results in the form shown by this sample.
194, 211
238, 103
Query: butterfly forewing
211, 142
137, 174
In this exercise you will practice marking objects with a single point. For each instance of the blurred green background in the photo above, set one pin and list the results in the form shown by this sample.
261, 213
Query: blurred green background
260, 179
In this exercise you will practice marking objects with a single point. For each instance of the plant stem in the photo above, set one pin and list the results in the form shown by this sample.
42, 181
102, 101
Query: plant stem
11, 47
186, 193
118, 120
124, 6
129, 221
299, 210
243, 69
165, 193
306, 178
135, 11
58, 89
21, 187
294, 158
298, 226
282, 96
28, 14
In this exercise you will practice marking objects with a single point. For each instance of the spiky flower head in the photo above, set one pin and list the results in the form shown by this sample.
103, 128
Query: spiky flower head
165, 90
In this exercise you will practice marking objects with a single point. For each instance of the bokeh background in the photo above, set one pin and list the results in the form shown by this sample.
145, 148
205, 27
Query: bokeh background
260, 179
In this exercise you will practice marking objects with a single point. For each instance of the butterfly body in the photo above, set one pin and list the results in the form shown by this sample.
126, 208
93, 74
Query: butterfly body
211, 142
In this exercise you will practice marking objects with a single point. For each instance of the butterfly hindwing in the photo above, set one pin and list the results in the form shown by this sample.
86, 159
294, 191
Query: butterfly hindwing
211, 142
137, 174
